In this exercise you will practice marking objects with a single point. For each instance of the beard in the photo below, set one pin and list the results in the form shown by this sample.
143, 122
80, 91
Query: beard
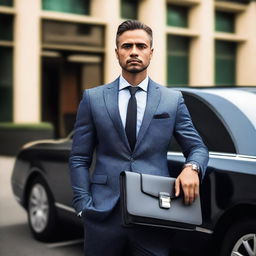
133, 70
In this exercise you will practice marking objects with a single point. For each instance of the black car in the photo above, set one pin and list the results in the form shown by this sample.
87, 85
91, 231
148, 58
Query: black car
226, 120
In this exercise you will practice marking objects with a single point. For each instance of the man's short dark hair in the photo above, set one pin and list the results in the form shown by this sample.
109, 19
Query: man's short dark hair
133, 25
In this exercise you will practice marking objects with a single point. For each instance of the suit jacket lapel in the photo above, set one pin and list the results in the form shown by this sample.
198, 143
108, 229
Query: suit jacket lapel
153, 99
111, 101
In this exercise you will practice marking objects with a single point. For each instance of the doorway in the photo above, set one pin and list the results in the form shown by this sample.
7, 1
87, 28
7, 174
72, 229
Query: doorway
64, 77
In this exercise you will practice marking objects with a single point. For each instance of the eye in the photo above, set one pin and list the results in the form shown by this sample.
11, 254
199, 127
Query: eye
126, 46
142, 46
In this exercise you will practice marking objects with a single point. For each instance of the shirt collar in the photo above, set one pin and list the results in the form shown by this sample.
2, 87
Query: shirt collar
124, 84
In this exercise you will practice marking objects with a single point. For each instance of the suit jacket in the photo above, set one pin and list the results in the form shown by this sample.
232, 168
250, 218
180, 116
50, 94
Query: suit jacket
99, 127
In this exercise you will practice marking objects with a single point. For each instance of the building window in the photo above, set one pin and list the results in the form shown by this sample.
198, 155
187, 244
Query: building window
225, 63
6, 31
178, 61
6, 2
129, 9
72, 34
236, 1
6, 66
6, 84
69, 6
224, 22
177, 16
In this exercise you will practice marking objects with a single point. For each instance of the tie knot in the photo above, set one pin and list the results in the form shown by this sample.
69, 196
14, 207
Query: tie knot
133, 89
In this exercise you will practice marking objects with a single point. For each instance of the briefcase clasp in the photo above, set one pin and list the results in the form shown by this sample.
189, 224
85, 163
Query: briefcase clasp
164, 200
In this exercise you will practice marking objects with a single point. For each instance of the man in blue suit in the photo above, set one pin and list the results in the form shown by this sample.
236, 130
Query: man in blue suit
128, 125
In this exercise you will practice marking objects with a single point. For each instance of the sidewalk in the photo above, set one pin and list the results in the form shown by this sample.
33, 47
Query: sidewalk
10, 211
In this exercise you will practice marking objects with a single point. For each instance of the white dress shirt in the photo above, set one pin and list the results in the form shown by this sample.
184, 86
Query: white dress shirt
124, 96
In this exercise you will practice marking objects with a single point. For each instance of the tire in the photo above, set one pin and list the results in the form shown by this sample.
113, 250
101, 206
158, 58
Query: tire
41, 212
240, 239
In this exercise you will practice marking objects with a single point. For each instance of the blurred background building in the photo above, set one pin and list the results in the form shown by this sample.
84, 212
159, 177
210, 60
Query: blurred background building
51, 50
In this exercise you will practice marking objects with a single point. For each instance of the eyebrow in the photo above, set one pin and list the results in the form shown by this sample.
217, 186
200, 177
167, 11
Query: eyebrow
137, 44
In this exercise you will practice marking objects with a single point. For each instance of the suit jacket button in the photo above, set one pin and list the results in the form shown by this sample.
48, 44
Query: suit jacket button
131, 159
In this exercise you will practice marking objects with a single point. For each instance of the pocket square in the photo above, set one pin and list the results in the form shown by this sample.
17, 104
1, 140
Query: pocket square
161, 116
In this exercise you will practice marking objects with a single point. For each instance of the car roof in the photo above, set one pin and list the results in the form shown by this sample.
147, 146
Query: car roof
236, 108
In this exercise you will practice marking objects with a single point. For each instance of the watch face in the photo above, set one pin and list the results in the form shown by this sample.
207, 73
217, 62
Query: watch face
195, 167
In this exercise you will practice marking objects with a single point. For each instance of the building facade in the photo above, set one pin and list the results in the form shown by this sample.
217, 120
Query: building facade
51, 50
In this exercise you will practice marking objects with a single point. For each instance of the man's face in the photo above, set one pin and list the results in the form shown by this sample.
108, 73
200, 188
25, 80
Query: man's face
134, 51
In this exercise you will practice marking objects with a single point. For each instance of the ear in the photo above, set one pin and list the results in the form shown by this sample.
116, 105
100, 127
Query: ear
116, 51
151, 52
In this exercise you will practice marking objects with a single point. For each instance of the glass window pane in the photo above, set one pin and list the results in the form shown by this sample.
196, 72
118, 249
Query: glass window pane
6, 2
178, 61
225, 63
225, 22
6, 83
129, 9
177, 16
209, 125
65, 33
69, 6
6, 31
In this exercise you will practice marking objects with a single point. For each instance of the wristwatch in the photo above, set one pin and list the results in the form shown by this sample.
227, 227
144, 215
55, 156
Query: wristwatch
193, 166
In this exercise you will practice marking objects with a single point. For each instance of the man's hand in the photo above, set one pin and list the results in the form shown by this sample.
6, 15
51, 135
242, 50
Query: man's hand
188, 180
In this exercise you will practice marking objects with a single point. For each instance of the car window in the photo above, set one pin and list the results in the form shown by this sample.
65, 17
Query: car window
210, 127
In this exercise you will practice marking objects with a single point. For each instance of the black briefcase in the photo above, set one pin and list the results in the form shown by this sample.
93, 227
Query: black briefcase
150, 200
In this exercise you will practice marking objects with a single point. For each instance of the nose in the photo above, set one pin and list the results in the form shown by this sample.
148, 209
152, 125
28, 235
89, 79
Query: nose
134, 51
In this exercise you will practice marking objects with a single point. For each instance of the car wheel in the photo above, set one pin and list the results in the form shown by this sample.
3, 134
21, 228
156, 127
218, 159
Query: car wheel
41, 211
240, 240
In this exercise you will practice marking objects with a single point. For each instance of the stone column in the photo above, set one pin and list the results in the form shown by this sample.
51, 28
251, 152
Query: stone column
109, 11
202, 47
27, 62
153, 14
246, 52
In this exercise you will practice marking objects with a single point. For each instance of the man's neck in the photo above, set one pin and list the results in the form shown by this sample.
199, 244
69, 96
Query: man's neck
134, 78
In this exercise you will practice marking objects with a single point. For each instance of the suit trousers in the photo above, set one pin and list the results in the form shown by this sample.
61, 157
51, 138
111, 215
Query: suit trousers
111, 238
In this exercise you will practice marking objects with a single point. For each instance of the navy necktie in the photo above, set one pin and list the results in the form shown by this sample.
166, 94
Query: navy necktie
131, 117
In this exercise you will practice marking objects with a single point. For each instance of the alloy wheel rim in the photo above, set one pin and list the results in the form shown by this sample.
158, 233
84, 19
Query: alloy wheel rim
245, 246
38, 208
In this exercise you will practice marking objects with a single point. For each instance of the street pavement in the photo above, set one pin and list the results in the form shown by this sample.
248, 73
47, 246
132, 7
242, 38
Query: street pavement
15, 236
